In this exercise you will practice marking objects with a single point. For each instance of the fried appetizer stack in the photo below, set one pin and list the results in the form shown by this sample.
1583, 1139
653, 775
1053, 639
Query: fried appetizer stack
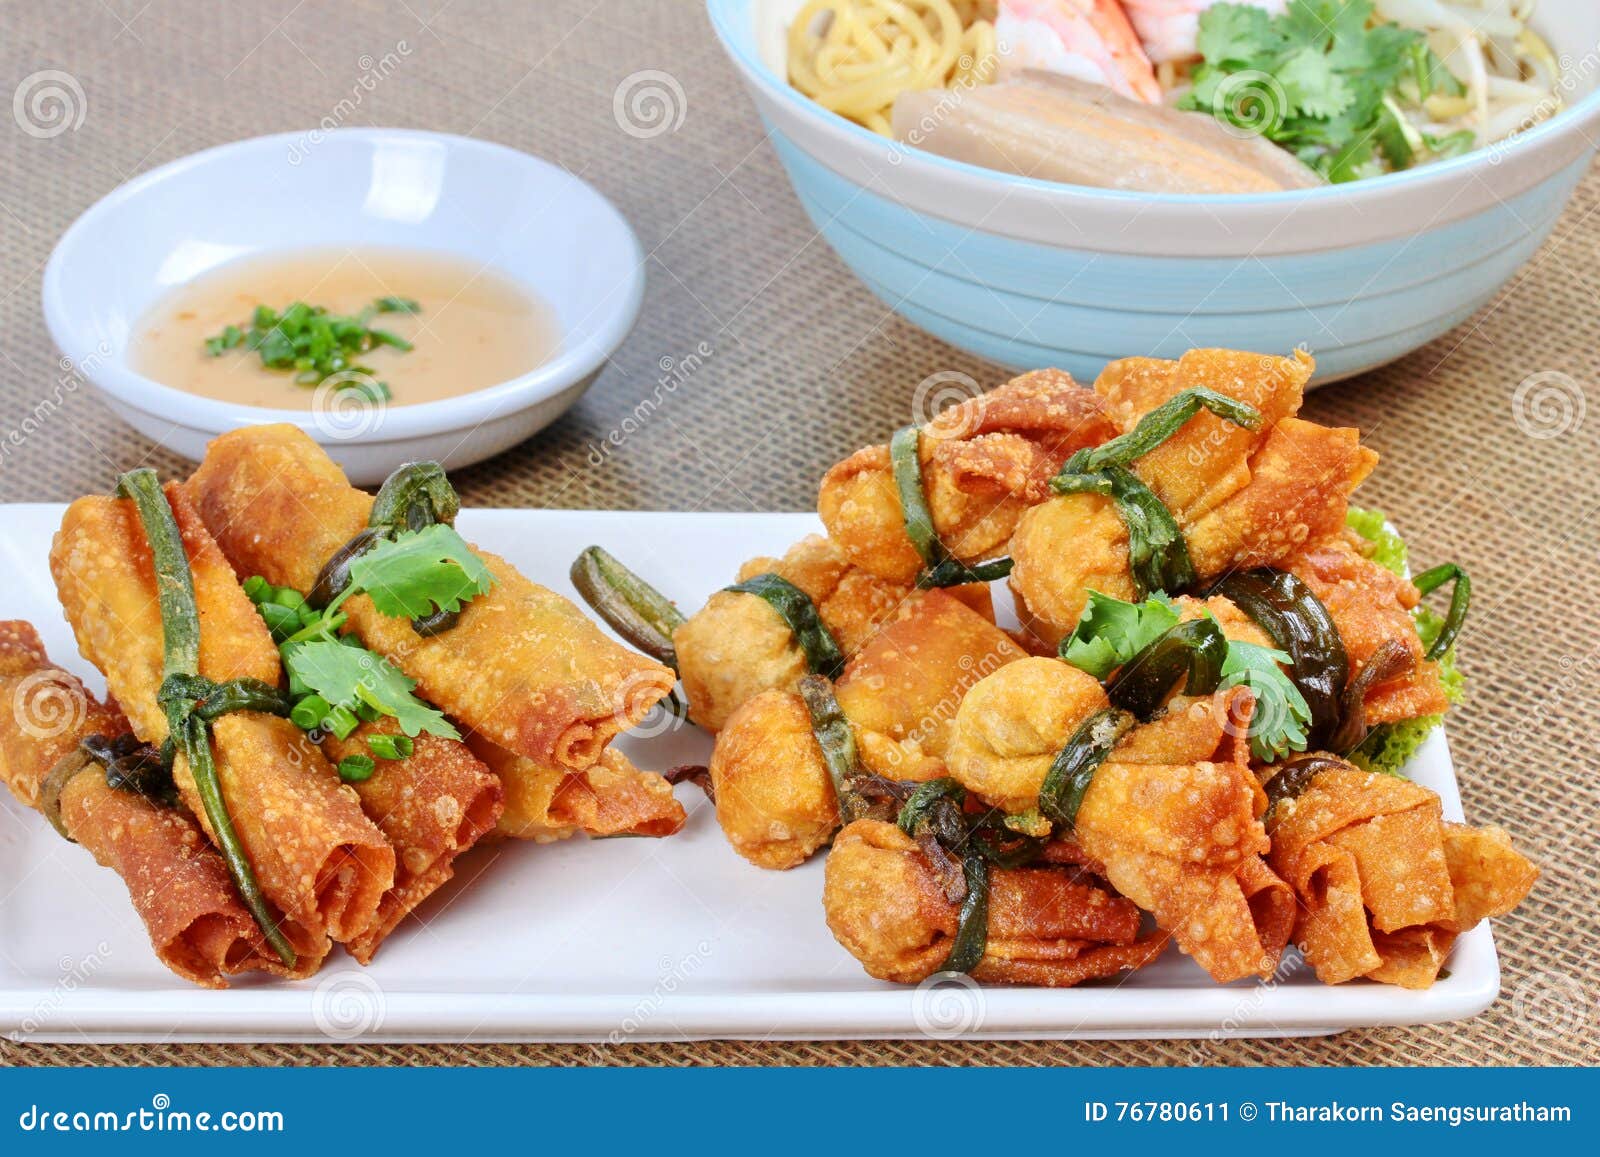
1200, 605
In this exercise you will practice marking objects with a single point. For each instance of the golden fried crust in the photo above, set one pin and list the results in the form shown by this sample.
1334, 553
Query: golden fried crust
902, 690
1012, 725
432, 806
1063, 549
545, 803
775, 800
1046, 925
1371, 605
1184, 841
732, 649
317, 857
1384, 884
1298, 492
983, 462
1204, 463
177, 883
522, 665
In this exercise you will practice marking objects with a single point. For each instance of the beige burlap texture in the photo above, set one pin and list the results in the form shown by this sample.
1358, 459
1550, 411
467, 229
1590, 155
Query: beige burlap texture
782, 363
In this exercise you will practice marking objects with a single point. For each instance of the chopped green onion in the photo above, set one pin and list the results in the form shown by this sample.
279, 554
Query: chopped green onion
357, 768
391, 746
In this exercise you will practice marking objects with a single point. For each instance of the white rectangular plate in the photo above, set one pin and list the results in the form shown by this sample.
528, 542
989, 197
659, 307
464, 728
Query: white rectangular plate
608, 940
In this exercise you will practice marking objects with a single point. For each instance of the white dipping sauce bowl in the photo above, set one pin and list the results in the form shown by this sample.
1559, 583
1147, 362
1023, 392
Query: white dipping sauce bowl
524, 218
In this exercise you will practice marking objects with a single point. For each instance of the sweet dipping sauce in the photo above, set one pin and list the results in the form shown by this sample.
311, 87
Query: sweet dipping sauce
473, 328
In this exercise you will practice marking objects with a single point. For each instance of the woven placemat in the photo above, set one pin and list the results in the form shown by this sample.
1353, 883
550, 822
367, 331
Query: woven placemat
781, 363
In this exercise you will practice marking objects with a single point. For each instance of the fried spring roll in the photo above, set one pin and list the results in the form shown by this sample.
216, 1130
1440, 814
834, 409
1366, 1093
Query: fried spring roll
545, 803
522, 666
775, 800
318, 859
737, 645
1242, 498
1385, 884
177, 882
431, 805
1047, 925
984, 462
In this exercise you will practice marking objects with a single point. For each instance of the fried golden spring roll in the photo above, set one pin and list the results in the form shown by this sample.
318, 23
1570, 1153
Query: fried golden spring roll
1170, 817
1385, 884
431, 805
545, 803
1047, 925
318, 859
177, 882
1371, 605
775, 800
522, 666
737, 645
984, 461
1242, 498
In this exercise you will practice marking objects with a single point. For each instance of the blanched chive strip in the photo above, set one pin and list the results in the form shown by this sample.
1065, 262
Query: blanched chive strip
1295, 775
633, 608
1299, 625
1158, 557
1191, 653
1460, 600
55, 782
795, 607
1068, 779
838, 744
939, 567
933, 817
1390, 661
414, 497
1160, 424
180, 625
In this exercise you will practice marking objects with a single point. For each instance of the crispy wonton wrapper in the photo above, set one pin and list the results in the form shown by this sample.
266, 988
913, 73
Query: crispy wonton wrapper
984, 461
522, 666
1048, 926
1242, 498
775, 800
432, 806
902, 690
177, 882
737, 645
1385, 884
318, 859
544, 803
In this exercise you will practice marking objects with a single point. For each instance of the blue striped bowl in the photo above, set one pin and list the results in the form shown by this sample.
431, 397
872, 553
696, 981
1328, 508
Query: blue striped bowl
1030, 273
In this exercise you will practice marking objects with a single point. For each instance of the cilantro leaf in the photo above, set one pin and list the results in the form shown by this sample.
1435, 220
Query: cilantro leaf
1112, 631
349, 676
1278, 724
1327, 75
418, 572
